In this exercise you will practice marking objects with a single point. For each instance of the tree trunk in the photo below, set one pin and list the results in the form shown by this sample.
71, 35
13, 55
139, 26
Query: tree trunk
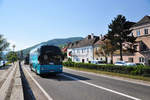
111, 57
106, 59
121, 52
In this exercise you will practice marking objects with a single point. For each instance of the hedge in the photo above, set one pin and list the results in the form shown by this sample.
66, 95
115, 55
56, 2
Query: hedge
133, 70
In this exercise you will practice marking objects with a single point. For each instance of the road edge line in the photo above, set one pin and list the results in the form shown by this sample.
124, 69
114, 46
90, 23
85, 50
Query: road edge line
129, 80
40, 87
100, 87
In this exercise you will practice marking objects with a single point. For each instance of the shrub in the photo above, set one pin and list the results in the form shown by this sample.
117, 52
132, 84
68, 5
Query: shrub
134, 70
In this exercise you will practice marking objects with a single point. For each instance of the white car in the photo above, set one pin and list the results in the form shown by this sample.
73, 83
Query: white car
99, 62
120, 63
2, 62
130, 64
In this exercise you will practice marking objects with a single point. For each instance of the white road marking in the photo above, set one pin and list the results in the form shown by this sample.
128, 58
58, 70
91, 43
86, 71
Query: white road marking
45, 93
134, 81
100, 87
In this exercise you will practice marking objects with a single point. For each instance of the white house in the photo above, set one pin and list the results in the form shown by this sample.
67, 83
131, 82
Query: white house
83, 50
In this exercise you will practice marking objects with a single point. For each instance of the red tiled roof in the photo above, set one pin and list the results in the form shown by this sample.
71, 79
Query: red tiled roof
88, 41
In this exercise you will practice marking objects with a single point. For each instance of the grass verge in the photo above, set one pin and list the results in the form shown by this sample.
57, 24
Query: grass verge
112, 74
8, 63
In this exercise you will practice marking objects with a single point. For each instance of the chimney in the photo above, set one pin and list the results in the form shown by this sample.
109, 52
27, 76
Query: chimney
89, 36
100, 37
92, 35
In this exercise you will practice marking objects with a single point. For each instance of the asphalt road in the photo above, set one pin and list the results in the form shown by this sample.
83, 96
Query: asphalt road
72, 85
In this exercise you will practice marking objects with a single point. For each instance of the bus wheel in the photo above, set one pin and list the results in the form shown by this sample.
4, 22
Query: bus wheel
36, 72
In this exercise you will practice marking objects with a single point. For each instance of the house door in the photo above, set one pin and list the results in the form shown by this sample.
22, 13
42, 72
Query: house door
83, 60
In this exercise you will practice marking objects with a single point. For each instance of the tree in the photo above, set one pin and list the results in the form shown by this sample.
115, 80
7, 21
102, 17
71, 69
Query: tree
119, 32
12, 56
3, 45
106, 49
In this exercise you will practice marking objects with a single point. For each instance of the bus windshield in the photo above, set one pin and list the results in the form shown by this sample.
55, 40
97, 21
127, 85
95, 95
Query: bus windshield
50, 56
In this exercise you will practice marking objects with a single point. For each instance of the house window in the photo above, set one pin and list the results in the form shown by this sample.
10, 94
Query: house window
130, 59
84, 50
87, 59
138, 33
135, 47
141, 59
145, 31
77, 59
143, 47
78, 51
87, 50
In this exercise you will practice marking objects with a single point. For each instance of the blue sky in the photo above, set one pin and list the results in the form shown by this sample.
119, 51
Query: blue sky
28, 22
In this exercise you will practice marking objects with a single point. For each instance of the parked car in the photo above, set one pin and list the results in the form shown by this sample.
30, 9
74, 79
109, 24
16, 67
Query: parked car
130, 64
100, 62
120, 63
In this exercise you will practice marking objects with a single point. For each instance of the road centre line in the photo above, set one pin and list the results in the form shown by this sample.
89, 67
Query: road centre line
100, 87
45, 93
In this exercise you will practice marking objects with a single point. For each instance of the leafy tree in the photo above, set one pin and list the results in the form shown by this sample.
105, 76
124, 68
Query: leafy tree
119, 32
3, 45
12, 56
106, 49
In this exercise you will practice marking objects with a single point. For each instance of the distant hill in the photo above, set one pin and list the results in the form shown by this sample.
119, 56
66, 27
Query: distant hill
56, 42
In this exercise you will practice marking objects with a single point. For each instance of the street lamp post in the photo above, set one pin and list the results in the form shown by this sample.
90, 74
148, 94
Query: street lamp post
13, 52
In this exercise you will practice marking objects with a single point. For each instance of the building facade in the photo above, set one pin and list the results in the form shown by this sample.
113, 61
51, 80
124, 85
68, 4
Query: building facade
86, 50
83, 50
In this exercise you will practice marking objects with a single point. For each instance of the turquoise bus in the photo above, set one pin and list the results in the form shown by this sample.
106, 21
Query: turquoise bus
46, 59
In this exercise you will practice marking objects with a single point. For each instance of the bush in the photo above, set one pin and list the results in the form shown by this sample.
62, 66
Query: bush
134, 70
69, 60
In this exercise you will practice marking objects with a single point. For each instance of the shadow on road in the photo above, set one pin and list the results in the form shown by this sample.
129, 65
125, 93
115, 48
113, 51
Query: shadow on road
28, 93
60, 77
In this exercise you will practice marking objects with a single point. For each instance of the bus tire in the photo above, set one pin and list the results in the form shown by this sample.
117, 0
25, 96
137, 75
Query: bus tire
36, 72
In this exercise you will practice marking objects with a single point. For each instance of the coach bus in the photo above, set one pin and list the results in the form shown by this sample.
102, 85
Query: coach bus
26, 60
46, 59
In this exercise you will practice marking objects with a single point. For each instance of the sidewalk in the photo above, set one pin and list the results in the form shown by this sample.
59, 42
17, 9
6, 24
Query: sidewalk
17, 90
11, 87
